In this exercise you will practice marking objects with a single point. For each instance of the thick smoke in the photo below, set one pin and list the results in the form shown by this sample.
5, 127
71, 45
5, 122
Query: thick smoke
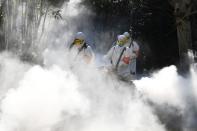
164, 87
66, 94
167, 89
11, 72
55, 98
41, 99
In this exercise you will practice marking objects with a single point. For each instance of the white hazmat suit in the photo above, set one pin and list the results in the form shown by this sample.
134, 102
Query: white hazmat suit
82, 49
114, 55
135, 50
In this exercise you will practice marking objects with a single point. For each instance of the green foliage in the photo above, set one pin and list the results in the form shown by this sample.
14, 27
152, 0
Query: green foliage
112, 7
56, 3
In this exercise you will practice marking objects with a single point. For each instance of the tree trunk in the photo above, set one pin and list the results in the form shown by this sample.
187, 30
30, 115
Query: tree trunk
182, 11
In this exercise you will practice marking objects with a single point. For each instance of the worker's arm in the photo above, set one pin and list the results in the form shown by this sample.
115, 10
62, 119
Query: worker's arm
136, 48
89, 54
109, 54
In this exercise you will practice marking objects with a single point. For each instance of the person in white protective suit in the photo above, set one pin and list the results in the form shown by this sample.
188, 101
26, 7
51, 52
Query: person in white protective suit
120, 57
83, 49
135, 49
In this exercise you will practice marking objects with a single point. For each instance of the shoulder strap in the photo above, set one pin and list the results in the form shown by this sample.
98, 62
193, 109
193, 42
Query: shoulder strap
118, 62
71, 46
131, 44
85, 45
112, 54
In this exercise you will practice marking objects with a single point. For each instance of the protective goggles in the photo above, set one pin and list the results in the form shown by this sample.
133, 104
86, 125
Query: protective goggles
78, 42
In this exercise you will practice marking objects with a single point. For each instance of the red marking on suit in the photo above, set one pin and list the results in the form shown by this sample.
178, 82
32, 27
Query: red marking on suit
126, 60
